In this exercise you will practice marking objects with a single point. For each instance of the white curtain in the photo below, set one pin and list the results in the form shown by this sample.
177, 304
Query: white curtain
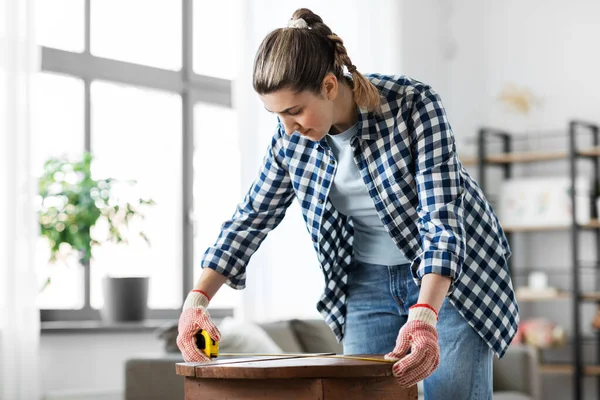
19, 317
284, 279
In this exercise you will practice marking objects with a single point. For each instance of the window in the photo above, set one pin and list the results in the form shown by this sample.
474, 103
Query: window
57, 126
60, 24
136, 135
218, 22
215, 195
138, 31
117, 87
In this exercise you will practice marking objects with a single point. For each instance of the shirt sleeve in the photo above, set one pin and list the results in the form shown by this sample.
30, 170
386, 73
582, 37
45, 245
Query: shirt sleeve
439, 189
262, 209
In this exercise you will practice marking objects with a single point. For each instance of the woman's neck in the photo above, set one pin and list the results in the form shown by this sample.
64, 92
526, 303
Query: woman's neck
345, 110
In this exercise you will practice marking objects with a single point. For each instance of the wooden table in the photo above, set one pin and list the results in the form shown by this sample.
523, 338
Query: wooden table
292, 377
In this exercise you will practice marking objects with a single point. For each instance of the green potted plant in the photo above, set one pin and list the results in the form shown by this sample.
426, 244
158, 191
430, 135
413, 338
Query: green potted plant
71, 203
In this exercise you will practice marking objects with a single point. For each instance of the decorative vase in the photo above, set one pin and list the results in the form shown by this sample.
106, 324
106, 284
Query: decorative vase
125, 298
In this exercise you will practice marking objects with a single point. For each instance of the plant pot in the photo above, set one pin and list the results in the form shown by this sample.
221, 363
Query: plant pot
125, 299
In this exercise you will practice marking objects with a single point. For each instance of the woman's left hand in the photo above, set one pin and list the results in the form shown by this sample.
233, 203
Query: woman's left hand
418, 335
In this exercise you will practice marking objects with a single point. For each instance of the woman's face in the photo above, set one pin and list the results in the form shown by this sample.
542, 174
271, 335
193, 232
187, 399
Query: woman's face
306, 113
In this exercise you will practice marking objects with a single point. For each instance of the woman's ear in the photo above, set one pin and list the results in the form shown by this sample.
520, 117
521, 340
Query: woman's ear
329, 87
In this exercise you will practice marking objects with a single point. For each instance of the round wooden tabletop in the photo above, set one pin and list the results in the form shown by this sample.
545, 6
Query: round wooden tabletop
282, 367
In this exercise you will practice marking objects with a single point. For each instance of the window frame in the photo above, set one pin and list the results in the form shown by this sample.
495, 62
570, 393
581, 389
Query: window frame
193, 88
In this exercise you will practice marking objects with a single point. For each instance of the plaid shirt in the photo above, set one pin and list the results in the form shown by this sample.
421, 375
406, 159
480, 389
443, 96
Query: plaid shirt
429, 204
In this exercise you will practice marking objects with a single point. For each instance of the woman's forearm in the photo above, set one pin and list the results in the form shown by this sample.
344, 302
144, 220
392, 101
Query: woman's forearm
433, 291
209, 282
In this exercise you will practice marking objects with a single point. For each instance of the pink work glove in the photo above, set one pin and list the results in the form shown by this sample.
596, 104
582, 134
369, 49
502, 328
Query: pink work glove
194, 318
420, 337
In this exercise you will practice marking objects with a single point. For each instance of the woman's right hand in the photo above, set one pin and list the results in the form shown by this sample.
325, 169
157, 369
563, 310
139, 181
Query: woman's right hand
195, 318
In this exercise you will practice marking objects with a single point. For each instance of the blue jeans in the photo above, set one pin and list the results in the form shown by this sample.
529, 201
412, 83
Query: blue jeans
378, 300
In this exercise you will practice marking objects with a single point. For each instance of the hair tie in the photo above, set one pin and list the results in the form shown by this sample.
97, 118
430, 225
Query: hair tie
352, 68
297, 23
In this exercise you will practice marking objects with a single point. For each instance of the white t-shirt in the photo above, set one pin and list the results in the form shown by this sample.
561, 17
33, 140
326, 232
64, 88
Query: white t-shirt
349, 195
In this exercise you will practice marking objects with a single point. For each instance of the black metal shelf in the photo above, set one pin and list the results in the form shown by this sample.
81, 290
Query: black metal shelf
505, 160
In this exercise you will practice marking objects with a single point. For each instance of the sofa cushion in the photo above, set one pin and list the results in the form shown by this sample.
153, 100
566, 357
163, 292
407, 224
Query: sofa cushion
510, 396
239, 336
518, 371
168, 333
283, 334
153, 378
236, 337
315, 336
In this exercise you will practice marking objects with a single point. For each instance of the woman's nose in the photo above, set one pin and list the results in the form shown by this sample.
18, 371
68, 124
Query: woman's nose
291, 128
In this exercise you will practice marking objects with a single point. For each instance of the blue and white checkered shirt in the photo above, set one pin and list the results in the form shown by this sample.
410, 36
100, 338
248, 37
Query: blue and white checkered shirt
429, 204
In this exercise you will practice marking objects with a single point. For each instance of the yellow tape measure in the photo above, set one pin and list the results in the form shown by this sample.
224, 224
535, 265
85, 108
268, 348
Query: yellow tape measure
205, 343
210, 347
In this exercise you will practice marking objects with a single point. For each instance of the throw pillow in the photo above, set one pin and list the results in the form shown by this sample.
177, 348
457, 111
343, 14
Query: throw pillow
315, 336
238, 336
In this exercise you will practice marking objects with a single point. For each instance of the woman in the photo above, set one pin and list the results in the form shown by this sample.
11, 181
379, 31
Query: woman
413, 255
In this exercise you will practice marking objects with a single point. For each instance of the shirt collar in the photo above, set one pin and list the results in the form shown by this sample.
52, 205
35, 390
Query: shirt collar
367, 124
367, 121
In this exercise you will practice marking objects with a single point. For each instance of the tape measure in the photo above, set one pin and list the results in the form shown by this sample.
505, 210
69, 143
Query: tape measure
210, 348
205, 343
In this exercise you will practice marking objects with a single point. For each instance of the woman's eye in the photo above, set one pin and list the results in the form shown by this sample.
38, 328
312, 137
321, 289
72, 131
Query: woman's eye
298, 112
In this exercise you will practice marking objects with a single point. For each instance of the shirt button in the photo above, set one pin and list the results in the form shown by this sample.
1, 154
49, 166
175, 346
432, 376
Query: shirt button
331, 161
320, 201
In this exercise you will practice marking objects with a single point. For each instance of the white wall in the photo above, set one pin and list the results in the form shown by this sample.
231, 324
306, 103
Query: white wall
90, 366
547, 46
469, 50
550, 47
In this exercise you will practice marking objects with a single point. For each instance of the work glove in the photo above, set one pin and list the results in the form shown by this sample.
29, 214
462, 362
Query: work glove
420, 337
193, 319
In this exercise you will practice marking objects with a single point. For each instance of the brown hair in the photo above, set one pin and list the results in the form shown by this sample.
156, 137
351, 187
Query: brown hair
299, 58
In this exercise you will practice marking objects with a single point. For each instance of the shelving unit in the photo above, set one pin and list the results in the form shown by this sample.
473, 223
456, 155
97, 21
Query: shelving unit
505, 160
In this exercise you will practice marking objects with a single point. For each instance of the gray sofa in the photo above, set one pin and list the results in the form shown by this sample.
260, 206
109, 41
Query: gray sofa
152, 377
